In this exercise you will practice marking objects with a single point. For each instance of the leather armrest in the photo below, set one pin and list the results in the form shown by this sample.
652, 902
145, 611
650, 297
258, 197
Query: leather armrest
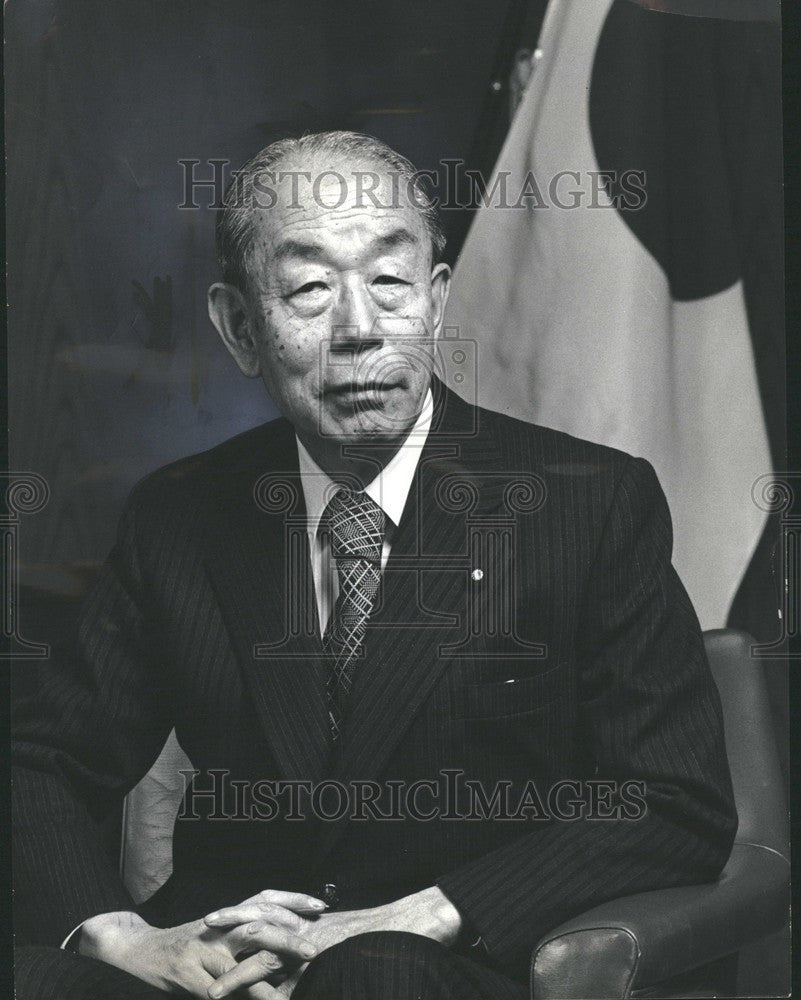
636, 942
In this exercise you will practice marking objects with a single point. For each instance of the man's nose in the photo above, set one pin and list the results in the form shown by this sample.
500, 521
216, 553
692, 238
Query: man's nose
355, 319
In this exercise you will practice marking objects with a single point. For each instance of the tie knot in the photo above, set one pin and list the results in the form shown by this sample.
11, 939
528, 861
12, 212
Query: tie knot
356, 524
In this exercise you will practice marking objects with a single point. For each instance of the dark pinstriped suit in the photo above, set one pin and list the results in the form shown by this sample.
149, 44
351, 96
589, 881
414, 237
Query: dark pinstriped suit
197, 579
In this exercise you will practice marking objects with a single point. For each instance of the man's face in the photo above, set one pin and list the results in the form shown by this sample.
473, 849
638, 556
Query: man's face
345, 305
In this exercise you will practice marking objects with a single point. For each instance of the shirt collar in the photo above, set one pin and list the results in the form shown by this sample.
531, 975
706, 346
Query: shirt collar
389, 489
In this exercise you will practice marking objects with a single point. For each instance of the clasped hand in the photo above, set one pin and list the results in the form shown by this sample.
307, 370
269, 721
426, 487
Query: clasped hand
428, 913
259, 947
187, 959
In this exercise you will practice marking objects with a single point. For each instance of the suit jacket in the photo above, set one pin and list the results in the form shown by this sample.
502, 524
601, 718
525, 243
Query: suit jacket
530, 627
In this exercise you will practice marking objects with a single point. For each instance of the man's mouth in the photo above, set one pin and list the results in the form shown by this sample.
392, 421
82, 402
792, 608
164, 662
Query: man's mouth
355, 390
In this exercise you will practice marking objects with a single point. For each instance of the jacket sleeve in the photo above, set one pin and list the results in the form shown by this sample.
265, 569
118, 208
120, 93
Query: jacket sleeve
97, 720
649, 712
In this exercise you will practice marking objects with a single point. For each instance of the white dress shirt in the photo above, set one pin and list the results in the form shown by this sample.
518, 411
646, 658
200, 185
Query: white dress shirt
389, 490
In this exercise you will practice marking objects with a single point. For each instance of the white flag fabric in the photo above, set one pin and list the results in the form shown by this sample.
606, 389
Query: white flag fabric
579, 328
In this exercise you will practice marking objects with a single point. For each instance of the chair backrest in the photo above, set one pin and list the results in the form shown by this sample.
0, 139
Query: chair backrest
760, 795
750, 740
151, 808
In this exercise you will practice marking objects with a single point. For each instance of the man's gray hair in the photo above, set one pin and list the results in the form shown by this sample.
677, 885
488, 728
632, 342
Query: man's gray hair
234, 235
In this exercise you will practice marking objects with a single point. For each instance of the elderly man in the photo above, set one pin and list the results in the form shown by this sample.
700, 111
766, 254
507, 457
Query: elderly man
464, 626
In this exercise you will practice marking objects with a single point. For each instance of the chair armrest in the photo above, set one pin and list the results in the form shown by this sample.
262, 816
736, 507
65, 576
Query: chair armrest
636, 942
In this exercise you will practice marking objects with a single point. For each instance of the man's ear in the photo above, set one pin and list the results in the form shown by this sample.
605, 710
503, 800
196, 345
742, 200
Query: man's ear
229, 312
440, 289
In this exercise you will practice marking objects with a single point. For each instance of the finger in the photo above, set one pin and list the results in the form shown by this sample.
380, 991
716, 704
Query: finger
200, 985
262, 991
287, 987
248, 972
262, 909
256, 935
291, 900
241, 917
263, 905
263, 935
259, 991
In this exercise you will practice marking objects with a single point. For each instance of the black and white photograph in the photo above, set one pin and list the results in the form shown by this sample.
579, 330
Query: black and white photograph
401, 548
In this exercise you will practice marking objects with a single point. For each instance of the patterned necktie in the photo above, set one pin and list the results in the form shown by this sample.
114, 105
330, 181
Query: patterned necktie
355, 525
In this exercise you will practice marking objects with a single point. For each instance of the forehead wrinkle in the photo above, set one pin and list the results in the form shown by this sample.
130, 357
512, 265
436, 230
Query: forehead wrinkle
320, 215
296, 247
312, 250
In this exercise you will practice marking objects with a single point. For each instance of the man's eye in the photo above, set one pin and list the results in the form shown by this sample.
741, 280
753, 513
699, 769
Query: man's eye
389, 279
309, 287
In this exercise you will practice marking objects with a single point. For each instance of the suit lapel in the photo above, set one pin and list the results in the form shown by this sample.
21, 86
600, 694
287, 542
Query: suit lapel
257, 561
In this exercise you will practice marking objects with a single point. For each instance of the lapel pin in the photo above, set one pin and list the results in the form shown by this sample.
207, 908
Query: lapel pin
477, 574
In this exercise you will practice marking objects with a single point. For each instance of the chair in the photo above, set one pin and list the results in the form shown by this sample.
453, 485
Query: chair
684, 942
668, 943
